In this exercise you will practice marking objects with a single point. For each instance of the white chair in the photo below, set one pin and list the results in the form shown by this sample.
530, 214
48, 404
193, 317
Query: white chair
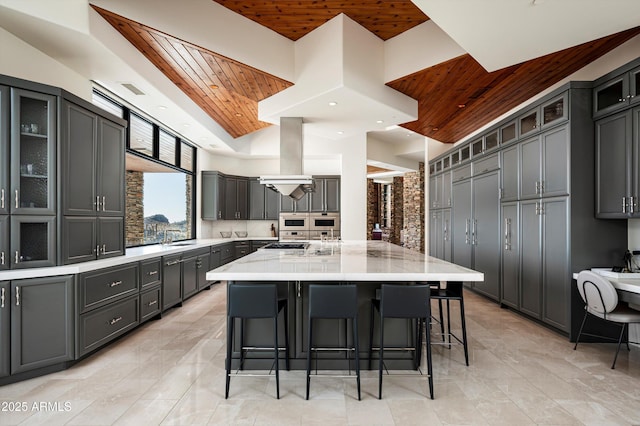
601, 300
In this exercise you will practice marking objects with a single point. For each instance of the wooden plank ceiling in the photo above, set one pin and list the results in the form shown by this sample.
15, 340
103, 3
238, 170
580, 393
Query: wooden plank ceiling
455, 98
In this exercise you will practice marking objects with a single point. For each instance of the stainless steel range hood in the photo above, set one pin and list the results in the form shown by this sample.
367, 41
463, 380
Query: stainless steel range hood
290, 181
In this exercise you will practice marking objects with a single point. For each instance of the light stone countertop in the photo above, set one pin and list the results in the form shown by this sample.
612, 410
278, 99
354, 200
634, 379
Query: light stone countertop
343, 261
134, 254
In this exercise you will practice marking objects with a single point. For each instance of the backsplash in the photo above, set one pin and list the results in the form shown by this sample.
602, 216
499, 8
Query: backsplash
254, 228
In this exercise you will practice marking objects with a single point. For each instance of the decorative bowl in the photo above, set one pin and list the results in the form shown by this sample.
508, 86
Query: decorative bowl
241, 234
225, 234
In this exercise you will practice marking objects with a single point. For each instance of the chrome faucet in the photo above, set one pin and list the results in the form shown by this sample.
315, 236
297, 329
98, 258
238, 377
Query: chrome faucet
169, 240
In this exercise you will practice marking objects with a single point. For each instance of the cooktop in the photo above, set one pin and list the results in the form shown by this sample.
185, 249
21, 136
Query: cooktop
287, 246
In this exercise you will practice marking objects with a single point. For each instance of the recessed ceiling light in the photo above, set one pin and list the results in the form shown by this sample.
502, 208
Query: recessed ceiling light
186, 124
435, 129
461, 105
379, 121
340, 132
162, 107
333, 103
238, 114
214, 86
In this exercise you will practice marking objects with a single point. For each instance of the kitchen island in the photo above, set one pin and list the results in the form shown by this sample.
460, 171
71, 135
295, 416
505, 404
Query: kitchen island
368, 264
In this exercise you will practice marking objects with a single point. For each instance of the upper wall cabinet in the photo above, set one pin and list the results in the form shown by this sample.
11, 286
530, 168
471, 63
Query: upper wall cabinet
4, 150
263, 202
93, 164
212, 195
33, 153
326, 197
544, 115
616, 93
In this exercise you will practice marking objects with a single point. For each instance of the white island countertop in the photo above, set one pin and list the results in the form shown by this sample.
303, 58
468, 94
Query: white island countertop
342, 261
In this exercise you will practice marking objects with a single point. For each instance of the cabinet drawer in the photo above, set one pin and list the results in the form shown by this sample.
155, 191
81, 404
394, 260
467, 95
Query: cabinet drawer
227, 253
150, 304
461, 173
107, 323
150, 272
486, 165
101, 287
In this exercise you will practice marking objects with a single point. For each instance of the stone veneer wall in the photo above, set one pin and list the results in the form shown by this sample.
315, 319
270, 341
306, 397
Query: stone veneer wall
373, 205
134, 220
397, 210
414, 210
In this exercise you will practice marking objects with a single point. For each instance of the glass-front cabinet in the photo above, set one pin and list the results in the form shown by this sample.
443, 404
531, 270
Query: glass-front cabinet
543, 116
4, 150
32, 241
4, 242
618, 92
33, 143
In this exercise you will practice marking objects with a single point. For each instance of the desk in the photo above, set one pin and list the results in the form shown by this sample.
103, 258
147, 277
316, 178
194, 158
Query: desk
628, 288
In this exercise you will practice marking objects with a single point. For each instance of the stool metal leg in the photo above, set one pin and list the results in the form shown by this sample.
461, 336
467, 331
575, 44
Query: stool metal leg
286, 335
464, 332
357, 351
624, 325
228, 360
427, 334
381, 362
275, 355
371, 319
309, 340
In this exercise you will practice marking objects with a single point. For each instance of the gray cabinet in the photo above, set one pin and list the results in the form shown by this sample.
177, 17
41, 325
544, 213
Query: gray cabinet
189, 276
88, 238
33, 153
289, 205
42, 331
461, 214
213, 195
4, 150
236, 197
326, 197
617, 165
544, 115
171, 281
4, 242
92, 155
264, 202
32, 241
616, 93
440, 234
543, 164
5, 328
104, 286
510, 173
510, 255
531, 255
241, 248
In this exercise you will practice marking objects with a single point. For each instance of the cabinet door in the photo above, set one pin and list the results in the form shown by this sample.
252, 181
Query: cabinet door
215, 258
33, 241
613, 165
203, 266
242, 198
531, 255
556, 168
33, 153
79, 239
4, 150
171, 281
189, 277
486, 233
611, 95
556, 277
271, 204
4, 243
529, 122
42, 331
302, 205
332, 194
111, 236
287, 204
435, 188
510, 173
510, 255
212, 196
78, 151
635, 162
446, 235
445, 199
461, 214
554, 111
435, 234
5, 330
111, 168
256, 200
317, 197
634, 85
530, 168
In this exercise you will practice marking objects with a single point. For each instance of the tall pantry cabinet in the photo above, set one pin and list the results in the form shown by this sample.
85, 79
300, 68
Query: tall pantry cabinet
545, 224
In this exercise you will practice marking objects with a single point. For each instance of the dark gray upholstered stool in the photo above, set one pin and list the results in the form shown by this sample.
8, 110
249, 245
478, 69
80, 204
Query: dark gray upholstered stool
249, 300
410, 302
333, 301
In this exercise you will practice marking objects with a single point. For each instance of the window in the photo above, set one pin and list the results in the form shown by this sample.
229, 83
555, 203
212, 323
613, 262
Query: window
186, 156
167, 147
107, 104
140, 135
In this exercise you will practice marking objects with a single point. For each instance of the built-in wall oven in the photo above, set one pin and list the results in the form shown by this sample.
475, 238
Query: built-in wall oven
324, 225
294, 226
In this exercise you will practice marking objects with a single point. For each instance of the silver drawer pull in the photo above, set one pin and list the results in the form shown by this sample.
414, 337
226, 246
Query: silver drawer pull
115, 320
1, 258
2, 198
17, 296
2, 298
153, 273
17, 200
155, 302
175, 262
115, 283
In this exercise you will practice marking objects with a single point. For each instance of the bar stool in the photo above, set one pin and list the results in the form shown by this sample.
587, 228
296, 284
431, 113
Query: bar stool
250, 300
453, 291
333, 301
404, 301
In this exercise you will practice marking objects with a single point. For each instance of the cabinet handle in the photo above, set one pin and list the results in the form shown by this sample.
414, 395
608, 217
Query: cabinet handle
154, 302
17, 296
541, 187
2, 258
104, 248
445, 231
632, 204
624, 204
298, 289
474, 233
104, 203
2, 198
17, 257
17, 199
507, 233
115, 320
115, 283
174, 262
153, 273
466, 231
537, 187
2, 298
97, 203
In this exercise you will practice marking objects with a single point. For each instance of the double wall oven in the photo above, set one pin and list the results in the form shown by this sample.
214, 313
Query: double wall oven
309, 226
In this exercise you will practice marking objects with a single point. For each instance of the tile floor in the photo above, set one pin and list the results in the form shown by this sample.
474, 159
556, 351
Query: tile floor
172, 372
